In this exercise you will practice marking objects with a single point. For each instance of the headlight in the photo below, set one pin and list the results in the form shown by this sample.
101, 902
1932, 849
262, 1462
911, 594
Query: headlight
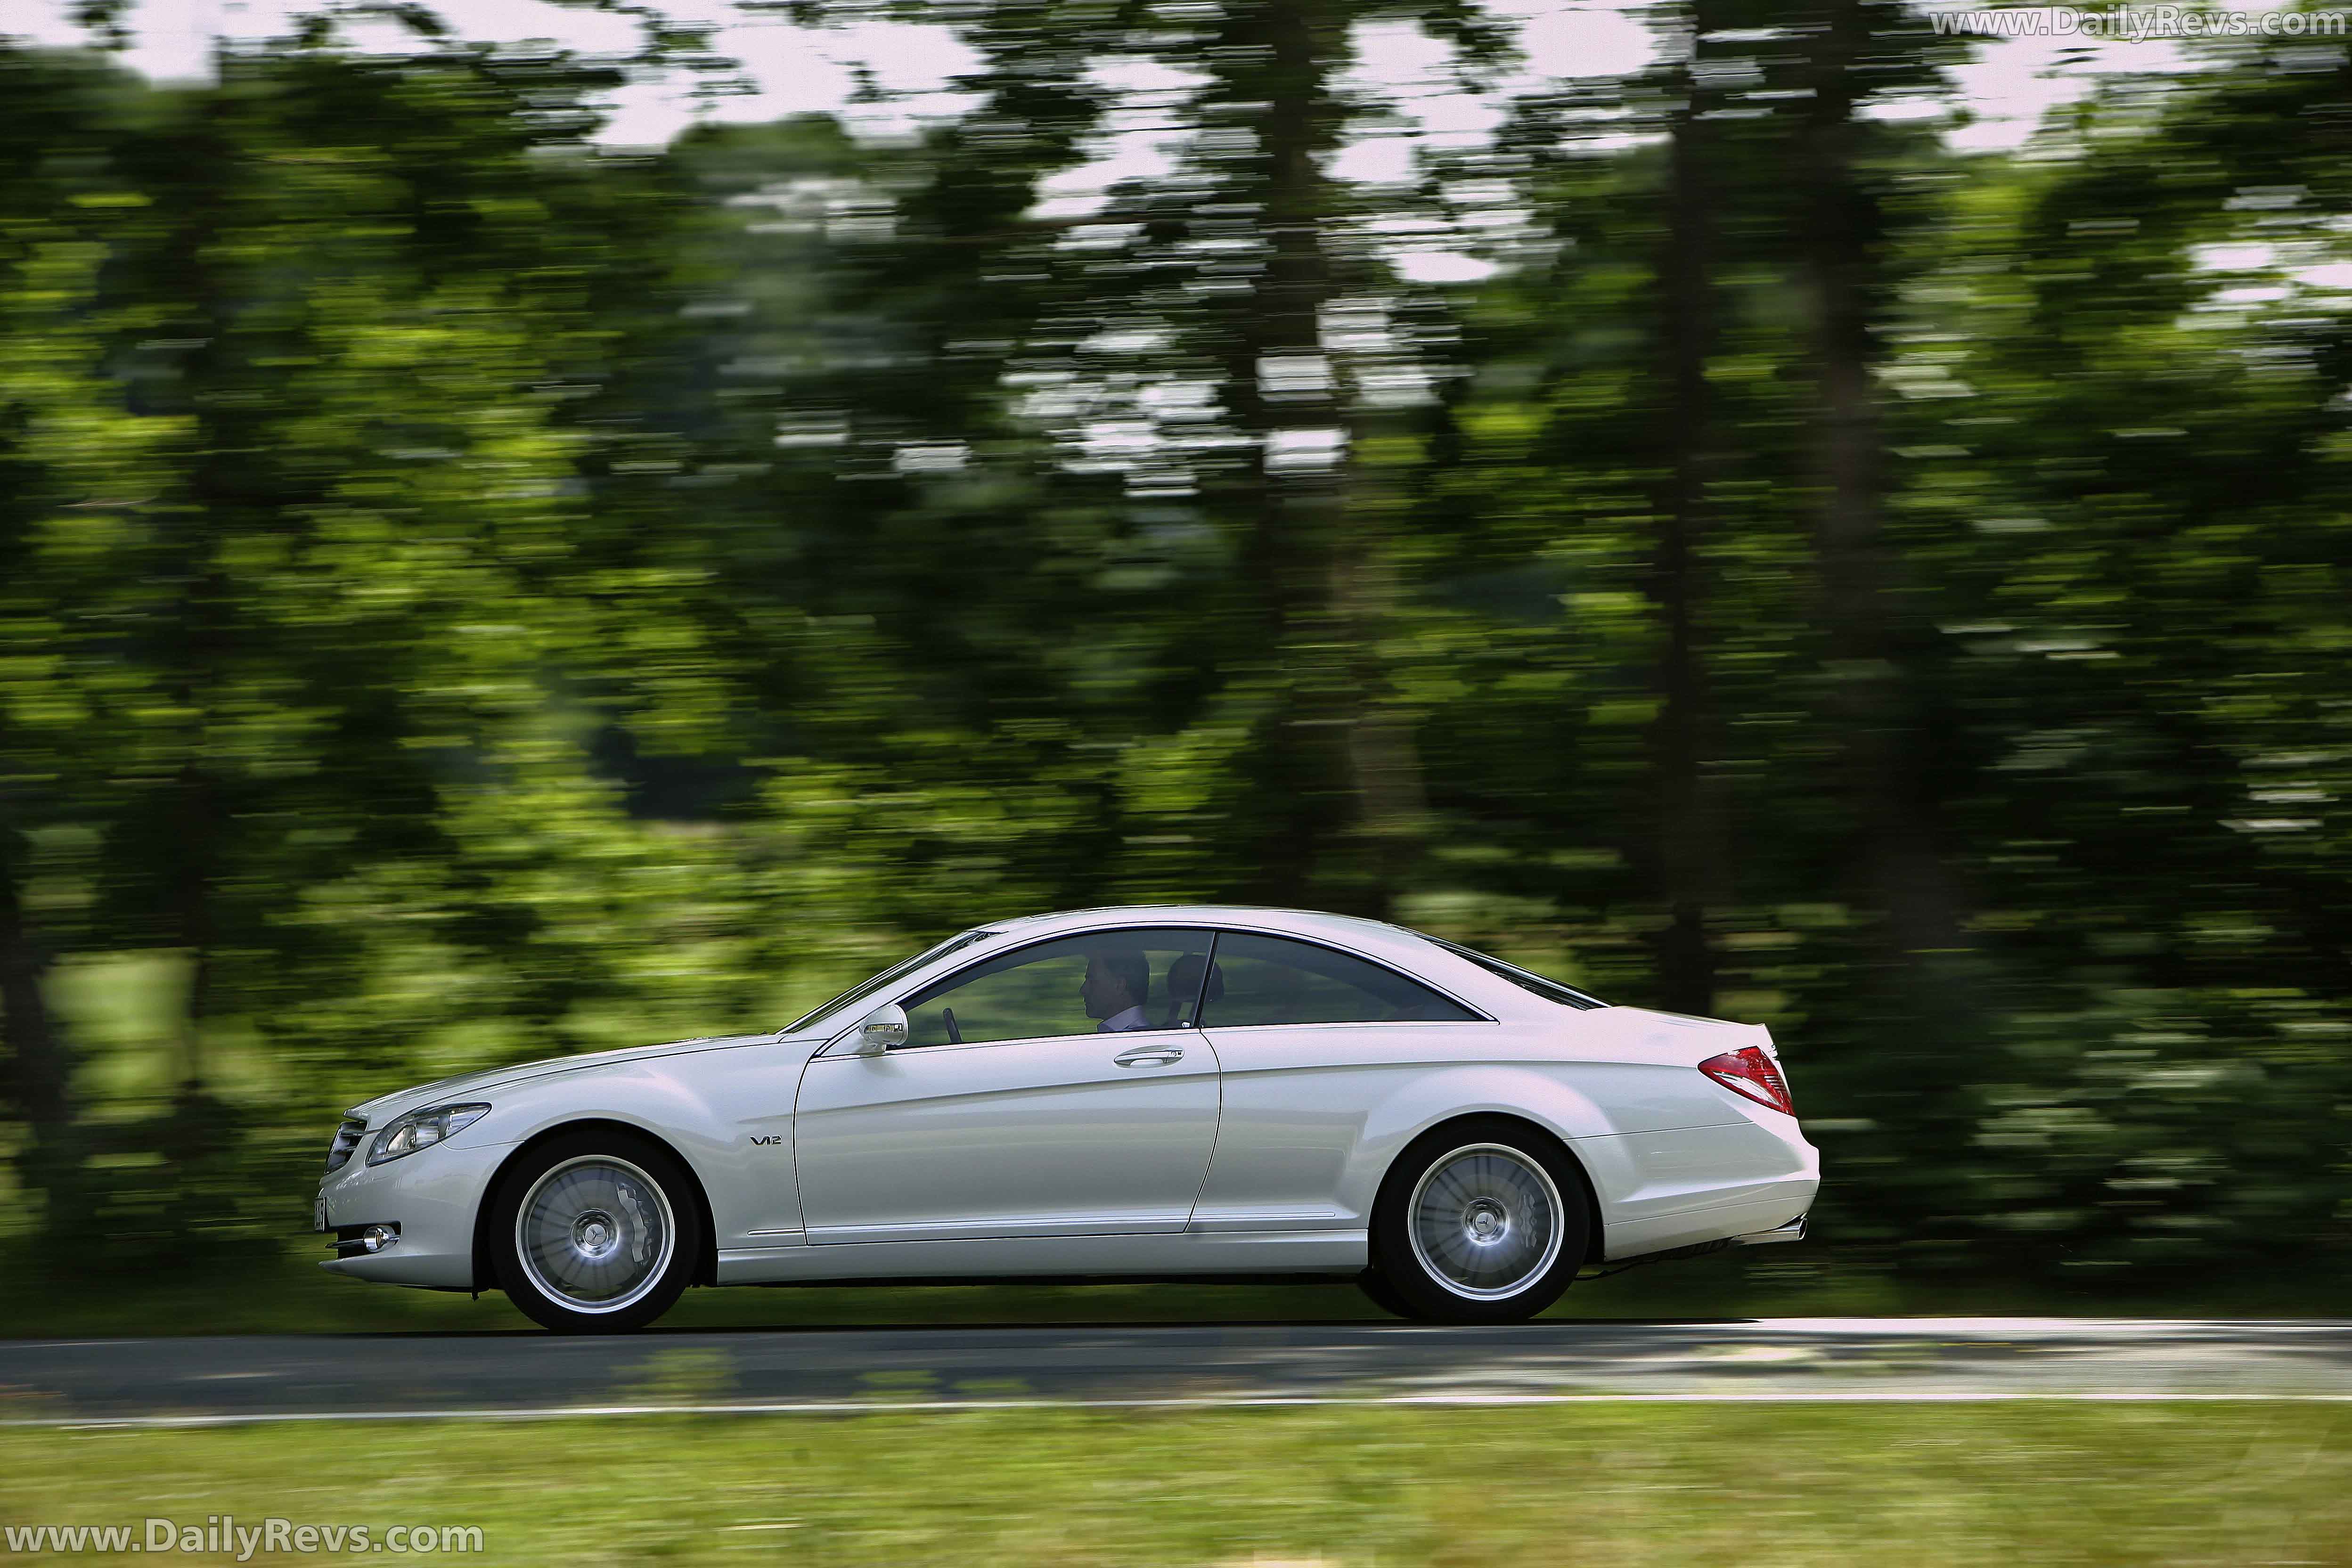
417, 1130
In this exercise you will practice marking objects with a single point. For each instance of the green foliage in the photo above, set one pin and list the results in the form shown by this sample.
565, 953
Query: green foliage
465, 598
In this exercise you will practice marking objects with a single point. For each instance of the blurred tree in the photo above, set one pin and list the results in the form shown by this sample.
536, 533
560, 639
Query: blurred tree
70, 462
298, 557
2124, 377
1861, 51
465, 596
1693, 855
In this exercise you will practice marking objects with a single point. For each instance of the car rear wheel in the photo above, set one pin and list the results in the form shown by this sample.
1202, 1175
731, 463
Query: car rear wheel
1481, 1221
596, 1232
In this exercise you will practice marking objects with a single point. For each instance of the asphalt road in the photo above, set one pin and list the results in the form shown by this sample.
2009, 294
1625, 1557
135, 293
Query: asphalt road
396, 1375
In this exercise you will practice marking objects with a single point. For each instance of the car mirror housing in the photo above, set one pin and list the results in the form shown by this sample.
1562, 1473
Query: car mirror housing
883, 1029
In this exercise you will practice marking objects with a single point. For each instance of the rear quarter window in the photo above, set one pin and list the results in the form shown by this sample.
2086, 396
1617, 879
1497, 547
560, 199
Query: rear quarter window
1260, 979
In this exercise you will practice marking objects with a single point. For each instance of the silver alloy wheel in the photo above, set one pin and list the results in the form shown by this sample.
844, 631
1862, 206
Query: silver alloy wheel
1484, 1222
595, 1234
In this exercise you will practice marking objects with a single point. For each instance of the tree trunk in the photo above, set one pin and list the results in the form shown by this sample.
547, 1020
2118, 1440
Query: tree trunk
225, 482
1692, 853
1383, 761
1337, 761
1900, 868
39, 1058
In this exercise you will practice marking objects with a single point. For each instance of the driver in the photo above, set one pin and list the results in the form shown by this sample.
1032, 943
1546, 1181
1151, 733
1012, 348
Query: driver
1117, 983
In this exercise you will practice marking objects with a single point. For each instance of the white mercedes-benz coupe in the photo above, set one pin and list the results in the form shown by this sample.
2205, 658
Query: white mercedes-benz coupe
1152, 1093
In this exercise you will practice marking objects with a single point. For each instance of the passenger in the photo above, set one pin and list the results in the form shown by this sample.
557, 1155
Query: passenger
1184, 978
1118, 983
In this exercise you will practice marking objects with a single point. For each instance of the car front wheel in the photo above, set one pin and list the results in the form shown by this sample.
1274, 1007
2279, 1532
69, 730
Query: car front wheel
596, 1232
1483, 1221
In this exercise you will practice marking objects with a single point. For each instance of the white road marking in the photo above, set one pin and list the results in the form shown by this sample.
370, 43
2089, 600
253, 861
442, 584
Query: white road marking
2124, 1328
942, 1406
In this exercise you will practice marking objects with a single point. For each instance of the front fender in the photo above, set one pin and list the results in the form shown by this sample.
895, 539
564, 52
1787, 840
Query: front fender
662, 1107
727, 1114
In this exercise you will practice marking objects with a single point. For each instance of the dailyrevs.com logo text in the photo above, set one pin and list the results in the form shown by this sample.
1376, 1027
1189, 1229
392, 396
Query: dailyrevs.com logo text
2139, 24
222, 1535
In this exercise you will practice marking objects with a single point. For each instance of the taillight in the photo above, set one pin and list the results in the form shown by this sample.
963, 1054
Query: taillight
1754, 1074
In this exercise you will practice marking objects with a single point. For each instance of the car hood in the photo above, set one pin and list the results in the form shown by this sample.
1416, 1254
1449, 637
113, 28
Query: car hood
473, 1083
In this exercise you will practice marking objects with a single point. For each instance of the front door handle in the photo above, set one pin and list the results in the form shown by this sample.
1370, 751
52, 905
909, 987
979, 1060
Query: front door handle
1150, 1056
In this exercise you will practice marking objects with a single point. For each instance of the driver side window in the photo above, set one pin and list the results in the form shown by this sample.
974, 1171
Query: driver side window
1096, 983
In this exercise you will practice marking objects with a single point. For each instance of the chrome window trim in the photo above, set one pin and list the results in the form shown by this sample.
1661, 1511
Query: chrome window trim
1363, 1024
830, 1055
1476, 959
1483, 1015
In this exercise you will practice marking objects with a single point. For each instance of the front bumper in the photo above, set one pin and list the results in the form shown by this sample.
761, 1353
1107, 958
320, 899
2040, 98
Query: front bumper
433, 1197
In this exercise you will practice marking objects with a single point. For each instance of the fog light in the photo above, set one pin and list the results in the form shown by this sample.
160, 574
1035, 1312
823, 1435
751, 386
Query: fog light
376, 1238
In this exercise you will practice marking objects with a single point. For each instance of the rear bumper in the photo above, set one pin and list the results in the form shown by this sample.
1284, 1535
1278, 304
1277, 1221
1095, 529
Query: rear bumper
1758, 1215
1663, 1192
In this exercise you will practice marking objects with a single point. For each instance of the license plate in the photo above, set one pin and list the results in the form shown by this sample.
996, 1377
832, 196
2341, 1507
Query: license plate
318, 1214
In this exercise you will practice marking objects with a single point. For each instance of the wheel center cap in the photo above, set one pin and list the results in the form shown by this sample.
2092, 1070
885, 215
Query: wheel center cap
1485, 1221
594, 1233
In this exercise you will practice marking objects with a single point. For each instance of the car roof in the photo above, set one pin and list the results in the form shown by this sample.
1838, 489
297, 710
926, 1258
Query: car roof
1374, 939
1303, 922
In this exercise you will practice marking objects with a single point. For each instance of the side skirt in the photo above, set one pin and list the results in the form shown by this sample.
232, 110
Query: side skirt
1250, 1255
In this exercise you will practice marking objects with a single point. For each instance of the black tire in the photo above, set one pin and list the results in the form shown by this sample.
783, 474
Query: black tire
1376, 1286
616, 1230
1519, 1237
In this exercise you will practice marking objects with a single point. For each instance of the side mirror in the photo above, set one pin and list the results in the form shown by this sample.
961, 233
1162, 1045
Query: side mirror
884, 1029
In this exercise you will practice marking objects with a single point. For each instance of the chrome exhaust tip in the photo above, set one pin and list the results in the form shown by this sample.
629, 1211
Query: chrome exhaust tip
1792, 1231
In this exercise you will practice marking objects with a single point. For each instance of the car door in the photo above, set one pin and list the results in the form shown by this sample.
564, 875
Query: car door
1310, 1039
1057, 1089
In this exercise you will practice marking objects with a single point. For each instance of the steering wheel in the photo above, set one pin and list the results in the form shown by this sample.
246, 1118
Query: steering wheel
955, 1035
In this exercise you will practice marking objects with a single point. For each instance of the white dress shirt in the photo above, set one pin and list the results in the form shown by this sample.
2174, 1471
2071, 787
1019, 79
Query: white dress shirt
1132, 1018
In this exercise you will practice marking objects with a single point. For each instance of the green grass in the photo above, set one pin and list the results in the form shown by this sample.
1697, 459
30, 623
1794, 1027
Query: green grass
1916, 1485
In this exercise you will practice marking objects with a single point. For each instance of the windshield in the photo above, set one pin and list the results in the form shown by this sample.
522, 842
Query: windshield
1550, 990
858, 994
